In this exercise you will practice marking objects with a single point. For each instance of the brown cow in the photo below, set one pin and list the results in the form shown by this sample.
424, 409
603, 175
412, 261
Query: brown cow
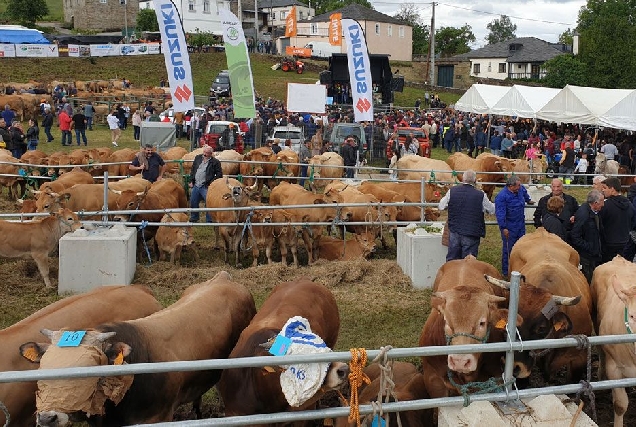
465, 310
124, 157
172, 240
229, 161
173, 153
324, 167
332, 249
104, 304
67, 180
546, 262
283, 167
412, 191
36, 239
261, 163
215, 313
613, 291
432, 170
248, 390
11, 182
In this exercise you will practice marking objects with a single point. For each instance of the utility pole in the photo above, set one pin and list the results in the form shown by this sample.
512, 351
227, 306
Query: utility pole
125, 4
256, 22
239, 12
432, 47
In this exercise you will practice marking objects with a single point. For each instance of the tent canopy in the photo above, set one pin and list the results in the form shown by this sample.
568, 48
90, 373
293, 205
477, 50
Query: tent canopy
622, 115
17, 36
583, 105
480, 98
523, 101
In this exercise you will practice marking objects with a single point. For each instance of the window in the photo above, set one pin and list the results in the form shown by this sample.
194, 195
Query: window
377, 29
103, 1
476, 68
502, 67
313, 29
206, 6
389, 30
283, 14
191, 6
401, 31
300, 14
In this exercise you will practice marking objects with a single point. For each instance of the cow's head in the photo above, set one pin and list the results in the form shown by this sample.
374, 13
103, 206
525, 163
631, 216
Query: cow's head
49, 201
626, 295
469, 315
128, 200
56, 400
68, 220
26, 205
542, 319
367, 243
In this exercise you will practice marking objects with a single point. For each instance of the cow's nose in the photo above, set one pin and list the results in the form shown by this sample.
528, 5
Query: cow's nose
47, 418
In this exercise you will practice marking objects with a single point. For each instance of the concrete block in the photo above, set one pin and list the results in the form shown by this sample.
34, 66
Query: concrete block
103, 256
479, 414
420, 256
548, 407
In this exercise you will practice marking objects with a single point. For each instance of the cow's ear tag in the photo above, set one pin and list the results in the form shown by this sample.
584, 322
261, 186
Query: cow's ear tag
280, 346
119, 359
501, 324
71, 338
378, 422
31, 354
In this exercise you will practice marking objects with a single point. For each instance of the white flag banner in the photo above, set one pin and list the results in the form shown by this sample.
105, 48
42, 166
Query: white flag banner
175, 51
359, 70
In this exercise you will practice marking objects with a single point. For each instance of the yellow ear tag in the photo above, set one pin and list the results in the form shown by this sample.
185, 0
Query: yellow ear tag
119, 360
269, 369
30, 354
559, 325
501, 324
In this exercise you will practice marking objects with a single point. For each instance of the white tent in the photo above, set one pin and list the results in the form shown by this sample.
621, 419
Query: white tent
523, 101
583, 105
480, 98
622, 115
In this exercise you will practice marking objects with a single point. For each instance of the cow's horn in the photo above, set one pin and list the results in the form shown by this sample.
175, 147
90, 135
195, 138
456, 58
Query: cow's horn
566, 300
141, 193
115, 191
497, 282
229, 186
253, 187
103, 336
47, 333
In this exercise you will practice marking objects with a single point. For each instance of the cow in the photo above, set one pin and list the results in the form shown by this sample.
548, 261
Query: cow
613, 292
26, 205
11, 182
103, 304
230, 194
172, 240
79, 157
67, 180
258, 162
229, 161
489, 171
204, 323
604, 166
284, 164
36, 158
415, 168
549, 263
123, 158
408, 384
55, 161
170, 155
163, 194
260, 236
465, 310
372, 214
188, 158
251, 390
412, 193
323, 168
97, 156
332, 249
37, 239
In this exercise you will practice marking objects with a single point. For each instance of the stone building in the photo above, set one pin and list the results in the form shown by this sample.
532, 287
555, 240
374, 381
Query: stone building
101, 15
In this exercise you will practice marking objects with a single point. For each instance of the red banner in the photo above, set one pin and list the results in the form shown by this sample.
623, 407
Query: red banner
335, 29
303, 52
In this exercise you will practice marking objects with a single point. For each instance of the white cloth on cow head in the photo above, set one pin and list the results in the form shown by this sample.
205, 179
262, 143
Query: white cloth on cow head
301, 381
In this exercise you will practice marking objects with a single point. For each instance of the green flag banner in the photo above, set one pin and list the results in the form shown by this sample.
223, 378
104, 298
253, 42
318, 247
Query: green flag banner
238, 64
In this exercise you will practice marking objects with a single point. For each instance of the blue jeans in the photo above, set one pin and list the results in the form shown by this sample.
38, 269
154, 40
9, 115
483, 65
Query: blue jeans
513, 236
350, 171
47, 132
89, 122
67, 138
82, 133
460, 246
303, 175
32, 144
136, 132
197, 195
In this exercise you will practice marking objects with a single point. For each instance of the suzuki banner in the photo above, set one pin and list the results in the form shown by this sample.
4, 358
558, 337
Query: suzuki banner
175, 51
335, 29
238, 65
359, 70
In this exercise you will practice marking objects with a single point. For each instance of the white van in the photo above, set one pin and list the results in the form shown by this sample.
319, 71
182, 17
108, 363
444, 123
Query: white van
322, 49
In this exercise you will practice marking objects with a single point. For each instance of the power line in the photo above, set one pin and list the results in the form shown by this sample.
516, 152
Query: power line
509, 16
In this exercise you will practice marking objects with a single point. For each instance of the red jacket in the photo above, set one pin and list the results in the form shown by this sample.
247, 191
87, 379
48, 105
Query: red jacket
65, 121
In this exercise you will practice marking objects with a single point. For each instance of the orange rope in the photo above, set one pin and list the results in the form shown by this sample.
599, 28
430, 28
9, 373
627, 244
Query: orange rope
356, 378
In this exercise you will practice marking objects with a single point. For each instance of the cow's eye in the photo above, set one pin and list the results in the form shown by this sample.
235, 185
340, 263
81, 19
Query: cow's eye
482, 324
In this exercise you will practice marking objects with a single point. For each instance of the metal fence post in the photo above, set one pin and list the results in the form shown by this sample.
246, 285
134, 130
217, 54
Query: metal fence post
422, 199
105, 208
511, 328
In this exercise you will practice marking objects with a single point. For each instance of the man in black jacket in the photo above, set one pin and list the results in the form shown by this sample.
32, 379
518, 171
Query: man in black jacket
349, 156
618, 218
4, 133
586, 233
205, 169
570, 206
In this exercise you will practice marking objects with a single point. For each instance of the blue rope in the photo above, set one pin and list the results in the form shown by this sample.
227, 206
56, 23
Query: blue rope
143, 225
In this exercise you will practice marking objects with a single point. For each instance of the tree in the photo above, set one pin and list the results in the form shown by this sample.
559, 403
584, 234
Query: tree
451, 41
566, 37
26, 12
410, 14
323, 6
607, 43
147, 20
501, 29
201, 38
563, 70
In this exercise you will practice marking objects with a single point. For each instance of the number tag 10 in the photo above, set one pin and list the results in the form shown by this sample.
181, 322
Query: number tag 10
71, 338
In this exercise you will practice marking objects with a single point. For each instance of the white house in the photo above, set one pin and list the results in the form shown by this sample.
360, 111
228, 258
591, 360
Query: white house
201, 15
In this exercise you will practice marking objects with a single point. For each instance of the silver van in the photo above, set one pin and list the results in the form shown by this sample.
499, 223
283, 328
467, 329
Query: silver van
340, 131
283, 133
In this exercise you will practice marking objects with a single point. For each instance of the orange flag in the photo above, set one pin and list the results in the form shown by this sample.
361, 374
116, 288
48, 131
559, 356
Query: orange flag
290, 23
335, 29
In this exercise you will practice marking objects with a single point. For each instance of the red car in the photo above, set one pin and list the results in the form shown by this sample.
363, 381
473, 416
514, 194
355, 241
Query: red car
424, 149
223, 135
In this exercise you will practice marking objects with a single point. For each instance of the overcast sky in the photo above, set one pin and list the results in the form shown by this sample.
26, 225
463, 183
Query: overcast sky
543, 19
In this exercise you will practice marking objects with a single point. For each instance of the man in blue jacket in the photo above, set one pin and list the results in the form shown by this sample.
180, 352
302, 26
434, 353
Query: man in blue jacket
509, 209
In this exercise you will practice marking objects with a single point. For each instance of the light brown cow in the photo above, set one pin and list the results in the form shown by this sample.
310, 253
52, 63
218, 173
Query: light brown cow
614, 292
412, 191
56, 159
283, 167
11, 182
215, 313
229, 161
261, 163
549, 263
172, 240
36, 239
123, 156
173, 153
324, 167
163, 194
67, 180
488, 168
415, 167
332, 249
188, 158
104, 304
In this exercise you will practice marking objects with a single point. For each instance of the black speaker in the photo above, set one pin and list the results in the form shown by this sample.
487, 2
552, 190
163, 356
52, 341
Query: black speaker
325, 77
397, 84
